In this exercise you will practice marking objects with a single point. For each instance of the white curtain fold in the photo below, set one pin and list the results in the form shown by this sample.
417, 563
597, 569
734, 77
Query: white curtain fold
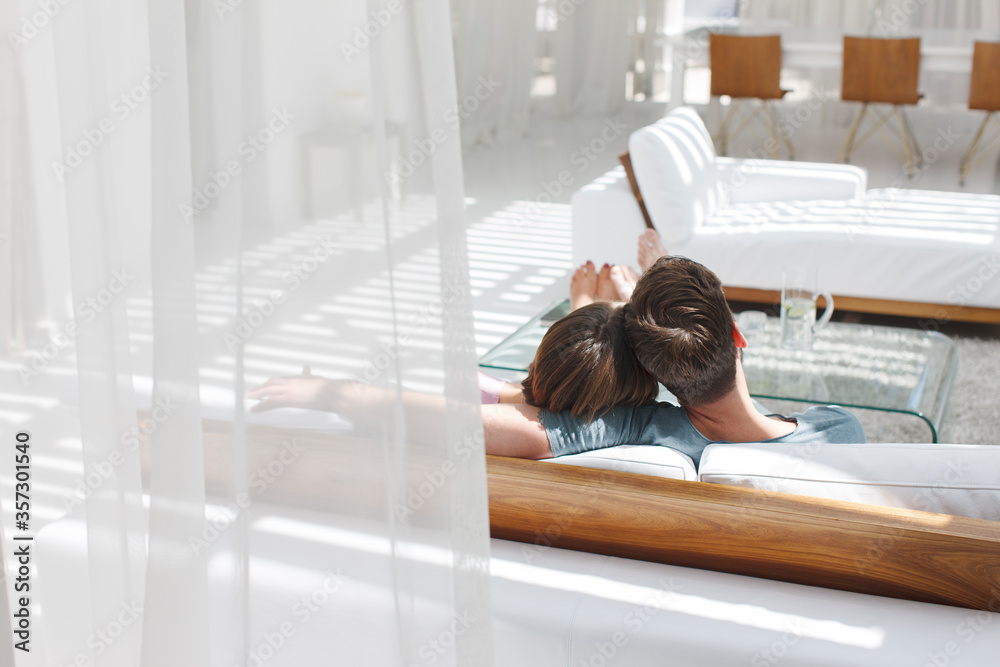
592, 55
258, 187
495, 43
113, 509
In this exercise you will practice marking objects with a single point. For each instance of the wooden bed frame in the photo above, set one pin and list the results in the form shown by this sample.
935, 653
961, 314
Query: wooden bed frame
892, 552
931, 315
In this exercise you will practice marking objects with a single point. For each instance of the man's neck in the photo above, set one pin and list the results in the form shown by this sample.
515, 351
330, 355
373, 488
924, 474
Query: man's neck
734, 417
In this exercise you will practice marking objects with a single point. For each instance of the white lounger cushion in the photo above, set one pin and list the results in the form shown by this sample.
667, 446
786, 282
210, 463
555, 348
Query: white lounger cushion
899, 245
963, 480
644, 460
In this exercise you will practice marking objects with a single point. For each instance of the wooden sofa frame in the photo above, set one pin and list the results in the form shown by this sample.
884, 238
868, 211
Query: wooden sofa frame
898, 553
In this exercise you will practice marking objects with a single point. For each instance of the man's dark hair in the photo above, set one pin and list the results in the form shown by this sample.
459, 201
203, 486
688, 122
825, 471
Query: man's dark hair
681, 328
585, 364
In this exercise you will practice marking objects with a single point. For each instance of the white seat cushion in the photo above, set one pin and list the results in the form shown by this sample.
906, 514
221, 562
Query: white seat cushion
643, 460
961, 480
674, 164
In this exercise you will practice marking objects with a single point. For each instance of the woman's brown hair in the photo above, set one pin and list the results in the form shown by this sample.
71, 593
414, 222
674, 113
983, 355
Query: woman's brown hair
584, 364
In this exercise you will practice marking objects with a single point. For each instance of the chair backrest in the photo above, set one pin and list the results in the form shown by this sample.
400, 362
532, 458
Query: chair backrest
746, 66
984, 88
881, 70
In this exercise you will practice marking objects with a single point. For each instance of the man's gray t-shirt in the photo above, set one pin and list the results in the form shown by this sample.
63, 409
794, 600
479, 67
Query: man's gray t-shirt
668, 425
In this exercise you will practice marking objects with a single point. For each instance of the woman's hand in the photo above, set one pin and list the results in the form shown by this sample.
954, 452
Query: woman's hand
298, 391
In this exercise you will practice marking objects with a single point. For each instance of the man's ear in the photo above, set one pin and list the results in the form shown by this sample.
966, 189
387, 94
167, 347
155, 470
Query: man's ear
741, 341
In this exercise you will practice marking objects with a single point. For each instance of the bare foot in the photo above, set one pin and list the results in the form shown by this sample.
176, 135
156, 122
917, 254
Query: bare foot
605, 290
623, 279
650, 248
583, 286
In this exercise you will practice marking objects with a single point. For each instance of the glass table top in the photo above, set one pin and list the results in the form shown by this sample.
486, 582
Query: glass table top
854, 365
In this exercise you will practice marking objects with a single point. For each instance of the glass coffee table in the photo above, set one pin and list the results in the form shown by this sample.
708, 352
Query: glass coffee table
854, 365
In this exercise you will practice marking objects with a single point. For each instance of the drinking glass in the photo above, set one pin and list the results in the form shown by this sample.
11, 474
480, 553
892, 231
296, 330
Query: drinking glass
798, 308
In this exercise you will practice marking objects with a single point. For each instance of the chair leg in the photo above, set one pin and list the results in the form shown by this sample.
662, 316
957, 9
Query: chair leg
722, 136
785, 138
963, 169
907, 149
918, 155
848, 148
772, 144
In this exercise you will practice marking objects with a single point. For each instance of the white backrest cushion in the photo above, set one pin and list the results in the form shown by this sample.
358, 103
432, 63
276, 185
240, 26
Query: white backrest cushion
674, 165
963, 480
640, 459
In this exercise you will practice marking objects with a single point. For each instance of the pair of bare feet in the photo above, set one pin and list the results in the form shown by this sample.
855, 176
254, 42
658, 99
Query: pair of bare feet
613, 283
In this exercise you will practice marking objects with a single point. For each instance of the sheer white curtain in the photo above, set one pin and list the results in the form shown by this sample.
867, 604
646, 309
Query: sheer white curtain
244, 189
495, 64
592, 49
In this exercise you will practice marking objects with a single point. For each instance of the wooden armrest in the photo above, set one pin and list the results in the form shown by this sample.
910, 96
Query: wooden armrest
885, 551
626, 161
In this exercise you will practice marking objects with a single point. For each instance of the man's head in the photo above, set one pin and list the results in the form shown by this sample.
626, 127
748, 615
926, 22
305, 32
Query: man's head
681, 328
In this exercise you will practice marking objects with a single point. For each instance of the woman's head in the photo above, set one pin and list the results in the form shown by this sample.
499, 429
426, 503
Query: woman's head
584, 364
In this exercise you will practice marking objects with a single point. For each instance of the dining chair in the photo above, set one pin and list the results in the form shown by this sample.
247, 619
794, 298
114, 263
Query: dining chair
882, 72
984, 94
745, 67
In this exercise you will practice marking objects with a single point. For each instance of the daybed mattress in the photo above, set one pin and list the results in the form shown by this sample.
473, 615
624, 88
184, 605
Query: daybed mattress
904, 245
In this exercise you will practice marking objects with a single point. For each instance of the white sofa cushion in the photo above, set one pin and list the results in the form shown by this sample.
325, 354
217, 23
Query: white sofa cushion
674, 165
962, 480
641, 459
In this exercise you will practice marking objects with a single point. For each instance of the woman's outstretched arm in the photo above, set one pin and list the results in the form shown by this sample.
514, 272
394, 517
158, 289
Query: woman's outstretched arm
508, 429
